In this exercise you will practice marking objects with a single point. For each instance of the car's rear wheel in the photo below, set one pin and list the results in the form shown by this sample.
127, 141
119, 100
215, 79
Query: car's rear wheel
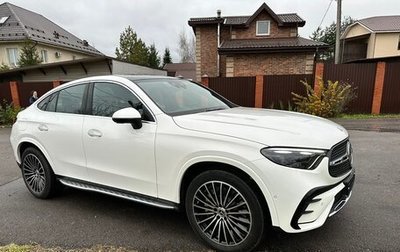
224, 211
37, 174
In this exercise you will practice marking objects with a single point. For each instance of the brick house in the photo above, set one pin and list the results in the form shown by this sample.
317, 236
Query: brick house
264, 43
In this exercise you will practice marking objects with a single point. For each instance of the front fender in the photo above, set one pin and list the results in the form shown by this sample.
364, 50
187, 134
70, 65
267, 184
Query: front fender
247, 167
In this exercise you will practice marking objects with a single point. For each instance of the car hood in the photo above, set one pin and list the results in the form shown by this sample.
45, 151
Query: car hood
268, 127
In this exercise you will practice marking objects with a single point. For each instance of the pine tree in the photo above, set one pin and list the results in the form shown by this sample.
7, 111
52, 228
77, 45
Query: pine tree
140, 54
154, 59
167, 57
132, 49
29, 55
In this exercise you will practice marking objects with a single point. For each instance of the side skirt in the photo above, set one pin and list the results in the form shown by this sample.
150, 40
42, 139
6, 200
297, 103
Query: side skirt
88, 186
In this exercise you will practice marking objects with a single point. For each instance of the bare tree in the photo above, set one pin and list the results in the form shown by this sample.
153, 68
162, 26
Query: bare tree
186, 48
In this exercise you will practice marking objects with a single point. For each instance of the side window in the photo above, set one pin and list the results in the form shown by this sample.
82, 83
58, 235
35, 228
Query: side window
43, 104
70, 99
109, 97
51, 106
49, 103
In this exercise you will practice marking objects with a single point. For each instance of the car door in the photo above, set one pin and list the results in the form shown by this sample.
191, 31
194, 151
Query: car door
59, 130
118, 155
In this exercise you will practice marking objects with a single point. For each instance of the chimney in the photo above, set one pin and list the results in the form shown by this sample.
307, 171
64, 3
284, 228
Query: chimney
218, 13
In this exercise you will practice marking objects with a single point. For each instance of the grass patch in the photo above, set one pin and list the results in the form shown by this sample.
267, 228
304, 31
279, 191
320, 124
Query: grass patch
367, 116
37, 248
16, 248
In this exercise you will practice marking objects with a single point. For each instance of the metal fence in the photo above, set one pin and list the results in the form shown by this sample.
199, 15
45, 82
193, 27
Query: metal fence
5, 93
277, 90
391, 89
361, 77
25, 89
239, 90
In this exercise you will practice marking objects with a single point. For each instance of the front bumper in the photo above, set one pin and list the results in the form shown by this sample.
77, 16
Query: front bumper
314, 207
302, 200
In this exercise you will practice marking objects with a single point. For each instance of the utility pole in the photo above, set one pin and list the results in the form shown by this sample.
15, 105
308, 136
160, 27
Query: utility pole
338, 24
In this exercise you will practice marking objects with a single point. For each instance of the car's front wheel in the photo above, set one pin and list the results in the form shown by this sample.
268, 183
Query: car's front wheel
37, 174
224, 211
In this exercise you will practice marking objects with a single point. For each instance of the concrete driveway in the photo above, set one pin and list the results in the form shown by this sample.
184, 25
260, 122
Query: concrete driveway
76, 219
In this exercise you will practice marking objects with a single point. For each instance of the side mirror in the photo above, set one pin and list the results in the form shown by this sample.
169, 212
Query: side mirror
128, 115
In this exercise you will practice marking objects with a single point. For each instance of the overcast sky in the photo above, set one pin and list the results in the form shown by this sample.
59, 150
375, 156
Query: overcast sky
159, 21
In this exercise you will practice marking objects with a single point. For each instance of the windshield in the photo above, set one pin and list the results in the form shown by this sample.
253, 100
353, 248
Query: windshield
179, 97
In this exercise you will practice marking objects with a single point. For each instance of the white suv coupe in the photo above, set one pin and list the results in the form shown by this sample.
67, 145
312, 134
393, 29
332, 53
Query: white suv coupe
172, 143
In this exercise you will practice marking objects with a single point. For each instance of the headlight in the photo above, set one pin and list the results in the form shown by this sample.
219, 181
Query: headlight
307, 159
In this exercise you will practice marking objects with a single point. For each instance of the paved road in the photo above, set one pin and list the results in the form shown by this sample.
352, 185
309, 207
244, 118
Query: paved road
374, 124
8, 168
370, 221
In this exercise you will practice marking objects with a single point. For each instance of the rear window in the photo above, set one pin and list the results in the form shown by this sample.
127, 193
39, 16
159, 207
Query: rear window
68, 100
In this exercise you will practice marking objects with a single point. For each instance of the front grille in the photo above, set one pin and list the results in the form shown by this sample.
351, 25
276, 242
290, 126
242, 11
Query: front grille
339, 150
340, 169
342, 155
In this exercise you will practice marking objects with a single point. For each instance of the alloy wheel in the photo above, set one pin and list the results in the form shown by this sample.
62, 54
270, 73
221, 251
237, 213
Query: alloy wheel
34, 174
222, 213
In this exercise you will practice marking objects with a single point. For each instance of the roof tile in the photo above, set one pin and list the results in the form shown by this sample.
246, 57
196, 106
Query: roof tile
241, 20
23, 24
382, 23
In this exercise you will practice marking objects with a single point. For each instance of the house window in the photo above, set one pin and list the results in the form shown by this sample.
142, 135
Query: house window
13, 56
43, 54
262, 27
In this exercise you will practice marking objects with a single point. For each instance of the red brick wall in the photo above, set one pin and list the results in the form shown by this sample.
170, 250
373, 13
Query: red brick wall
208, 37
223, 65
250, 32
225, 33
378, 87
270, 64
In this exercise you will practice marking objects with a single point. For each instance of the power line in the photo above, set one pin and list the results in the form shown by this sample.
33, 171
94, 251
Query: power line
327, 9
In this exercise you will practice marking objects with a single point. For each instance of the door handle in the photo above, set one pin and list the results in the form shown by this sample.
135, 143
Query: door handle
95, 133
43, 127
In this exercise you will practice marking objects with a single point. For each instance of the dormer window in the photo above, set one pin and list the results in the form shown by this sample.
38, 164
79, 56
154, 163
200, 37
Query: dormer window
3, 19
262, 27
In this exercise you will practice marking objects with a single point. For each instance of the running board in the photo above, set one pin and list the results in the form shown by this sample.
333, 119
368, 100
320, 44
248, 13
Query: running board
118, 193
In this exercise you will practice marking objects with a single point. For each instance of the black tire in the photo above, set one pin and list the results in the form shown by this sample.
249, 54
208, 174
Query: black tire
207, 197
38, 176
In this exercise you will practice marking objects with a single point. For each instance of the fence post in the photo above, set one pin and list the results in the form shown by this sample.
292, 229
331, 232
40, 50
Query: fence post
14, 93
259, 92
319, 75
56, 83
205, 80
378, 87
